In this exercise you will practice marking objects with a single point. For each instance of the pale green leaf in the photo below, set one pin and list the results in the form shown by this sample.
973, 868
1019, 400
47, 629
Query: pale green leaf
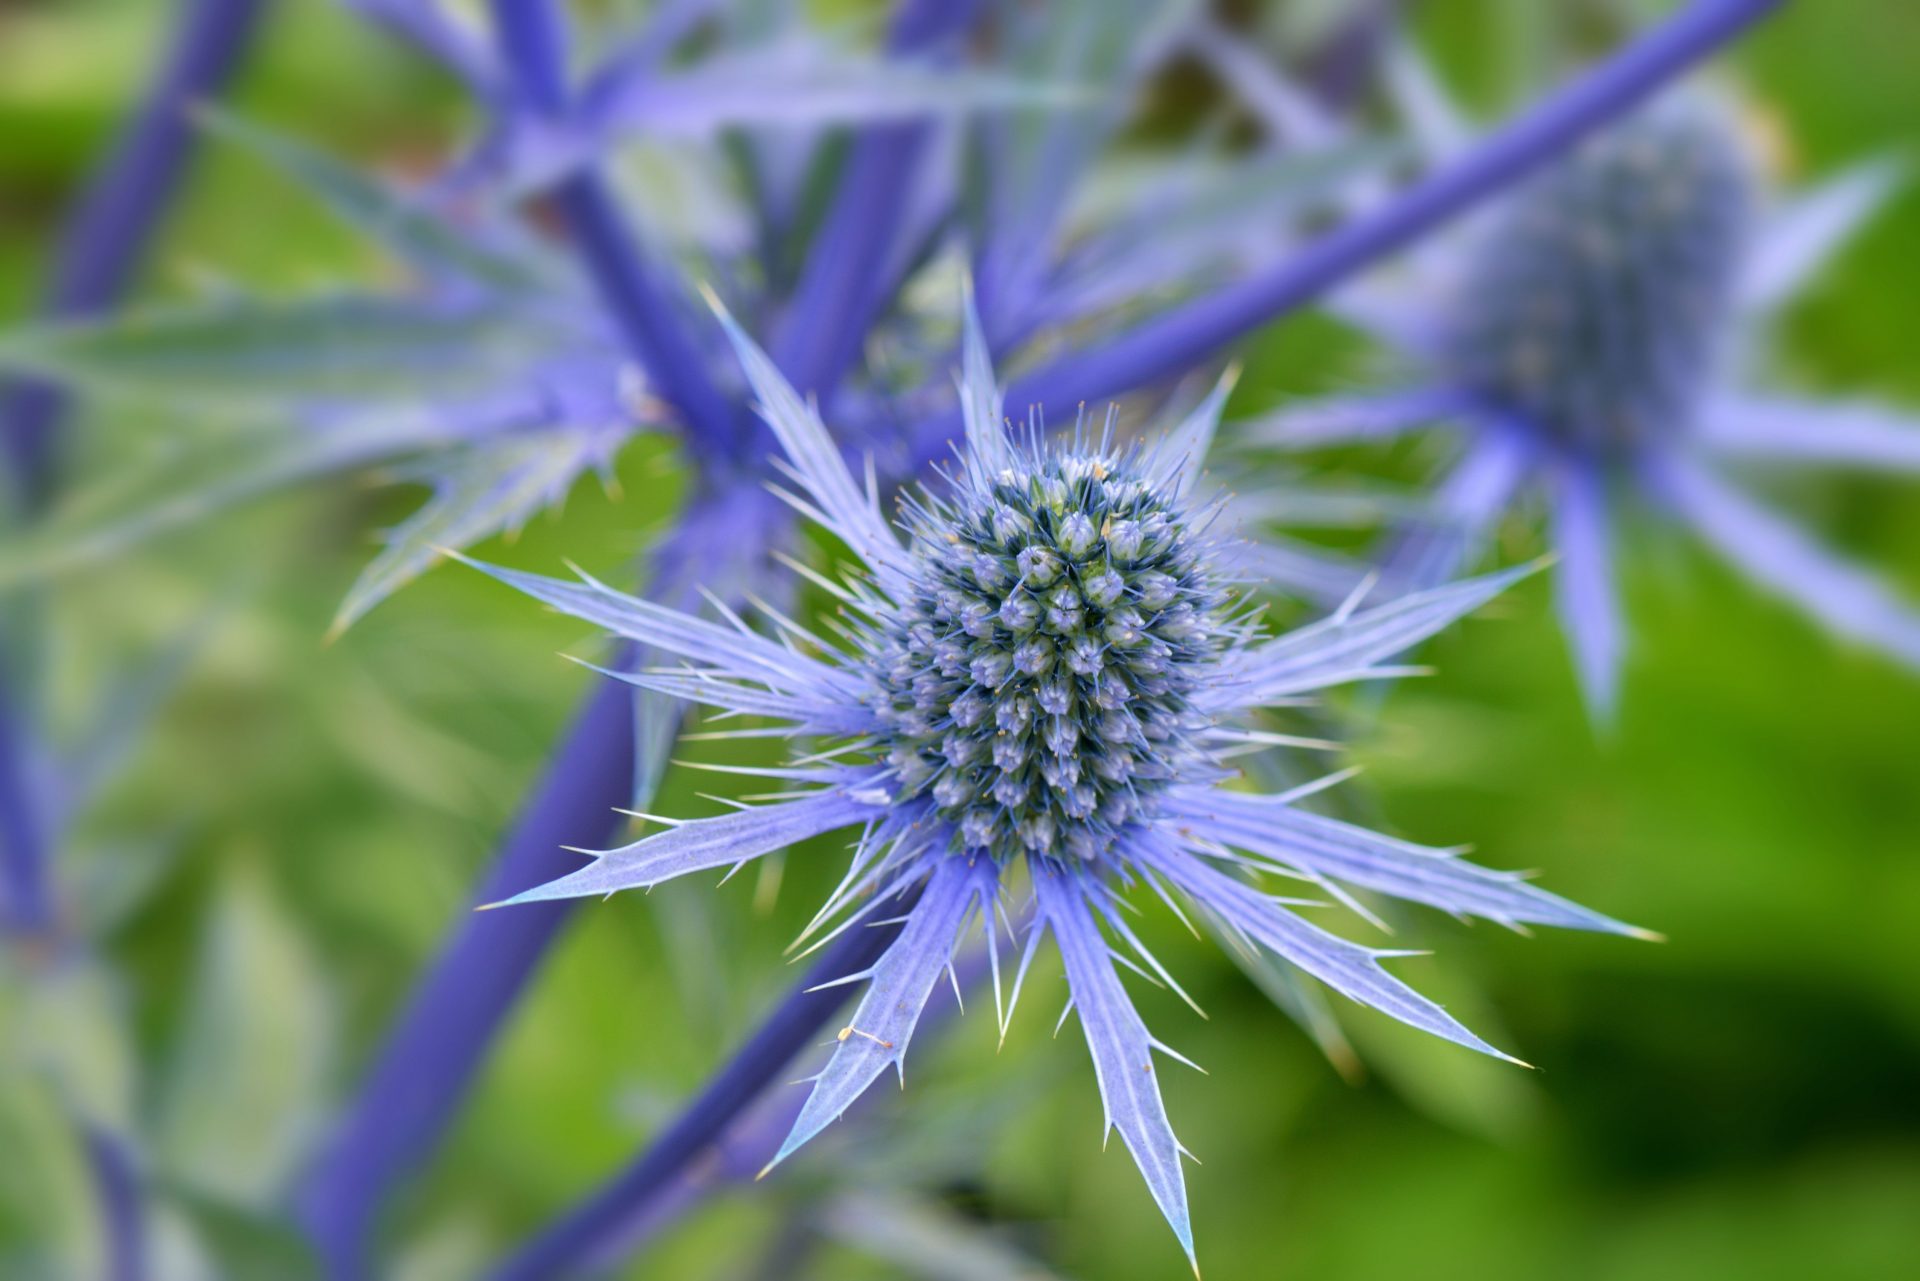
49, 1230
245, 1088
245, 355
176, 482
925, 1240
484, 490
70, 1027
403, 225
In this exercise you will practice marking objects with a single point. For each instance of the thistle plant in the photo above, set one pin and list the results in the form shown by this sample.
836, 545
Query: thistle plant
1592, 338
1045, 683
506, 370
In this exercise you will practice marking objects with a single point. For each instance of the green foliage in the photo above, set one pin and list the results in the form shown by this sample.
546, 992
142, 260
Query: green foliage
242, 1091
1737, 1104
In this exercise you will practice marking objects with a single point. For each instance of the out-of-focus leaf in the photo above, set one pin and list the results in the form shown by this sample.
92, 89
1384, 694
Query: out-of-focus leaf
421, 237
48, 1227
956, 1120
450, 1249
71, 1027
230, 1242
178, 482
1301, 999
244, 355
1468, 1092
418, 760
67, 1068
1160, 227
797, 85
440, 34
925, 1240
175, 1245
479, 492
124, 711
109, 883
245, 1086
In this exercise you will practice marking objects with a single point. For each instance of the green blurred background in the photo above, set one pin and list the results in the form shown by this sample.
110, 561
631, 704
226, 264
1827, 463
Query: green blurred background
1742, 1101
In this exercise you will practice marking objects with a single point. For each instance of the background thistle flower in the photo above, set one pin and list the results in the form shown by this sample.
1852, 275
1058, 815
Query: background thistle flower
1040, 683
1593, 335
1596, 301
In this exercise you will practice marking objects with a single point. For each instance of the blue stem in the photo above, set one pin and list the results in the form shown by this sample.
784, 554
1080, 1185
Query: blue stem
532, 39
26, 898
845, 279
105, 238
116, 1181
592, 1234
440, 1040
108, 232
740, 1154
1174, 342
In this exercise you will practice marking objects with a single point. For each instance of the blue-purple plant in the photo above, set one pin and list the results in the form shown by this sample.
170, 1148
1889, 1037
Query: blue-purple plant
570, 355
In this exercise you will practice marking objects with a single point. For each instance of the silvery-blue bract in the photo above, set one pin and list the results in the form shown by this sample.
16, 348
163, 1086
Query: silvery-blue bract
1042, 684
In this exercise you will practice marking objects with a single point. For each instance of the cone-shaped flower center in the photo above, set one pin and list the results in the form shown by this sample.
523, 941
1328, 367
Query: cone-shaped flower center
1594, 306
1037, 685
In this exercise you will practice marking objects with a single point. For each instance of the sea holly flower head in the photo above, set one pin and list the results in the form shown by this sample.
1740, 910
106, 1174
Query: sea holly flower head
1038, 685
1597, 298
1593, 336
1045, 684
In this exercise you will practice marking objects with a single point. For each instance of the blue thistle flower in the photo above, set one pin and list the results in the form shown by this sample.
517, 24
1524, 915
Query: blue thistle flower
1596, 300
1590, 336
1042, 683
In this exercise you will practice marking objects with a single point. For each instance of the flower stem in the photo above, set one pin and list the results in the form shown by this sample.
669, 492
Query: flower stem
116, 1178
532, 41
107, 234
440, 1040
752, 1140
1174, 342
105, 238
845, 279
593, 1233
26, 899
